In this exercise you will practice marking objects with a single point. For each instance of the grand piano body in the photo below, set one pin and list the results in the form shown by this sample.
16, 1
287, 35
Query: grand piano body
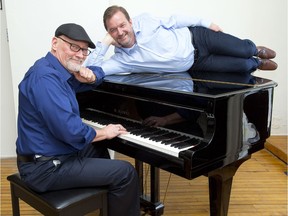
223, 121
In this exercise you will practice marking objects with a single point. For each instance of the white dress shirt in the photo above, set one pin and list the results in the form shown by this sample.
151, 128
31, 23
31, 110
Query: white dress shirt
162, 45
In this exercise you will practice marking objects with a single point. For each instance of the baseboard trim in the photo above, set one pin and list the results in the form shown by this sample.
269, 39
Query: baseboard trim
277, 145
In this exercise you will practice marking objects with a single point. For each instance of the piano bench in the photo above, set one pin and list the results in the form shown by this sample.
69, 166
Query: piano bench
70, 202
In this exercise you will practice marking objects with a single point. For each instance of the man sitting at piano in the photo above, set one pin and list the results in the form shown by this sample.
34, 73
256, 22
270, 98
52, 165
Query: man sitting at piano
55, 149
174, 44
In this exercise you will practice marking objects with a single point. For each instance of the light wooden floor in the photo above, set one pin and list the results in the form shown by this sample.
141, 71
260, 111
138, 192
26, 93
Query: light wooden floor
259, 189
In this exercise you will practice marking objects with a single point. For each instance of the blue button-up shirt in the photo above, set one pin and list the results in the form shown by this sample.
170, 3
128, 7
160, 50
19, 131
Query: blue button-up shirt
162, 45
48, 119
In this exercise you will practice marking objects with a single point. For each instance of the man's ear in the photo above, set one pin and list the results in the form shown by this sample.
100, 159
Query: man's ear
54, 43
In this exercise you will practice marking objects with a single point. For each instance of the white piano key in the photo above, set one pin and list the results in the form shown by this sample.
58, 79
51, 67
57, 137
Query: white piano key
158, 146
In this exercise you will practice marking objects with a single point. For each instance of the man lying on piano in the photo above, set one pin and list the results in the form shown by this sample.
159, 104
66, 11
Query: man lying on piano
55, 149
174, 44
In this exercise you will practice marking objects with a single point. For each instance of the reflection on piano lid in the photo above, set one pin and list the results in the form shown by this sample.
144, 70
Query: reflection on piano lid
171, 81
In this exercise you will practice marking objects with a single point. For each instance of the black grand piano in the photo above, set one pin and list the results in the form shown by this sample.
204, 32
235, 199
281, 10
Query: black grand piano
220, 122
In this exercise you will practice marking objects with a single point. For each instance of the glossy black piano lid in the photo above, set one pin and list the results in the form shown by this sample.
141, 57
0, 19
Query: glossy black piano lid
211, 84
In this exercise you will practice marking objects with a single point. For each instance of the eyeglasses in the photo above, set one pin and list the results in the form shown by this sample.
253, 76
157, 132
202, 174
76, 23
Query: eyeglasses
76, 48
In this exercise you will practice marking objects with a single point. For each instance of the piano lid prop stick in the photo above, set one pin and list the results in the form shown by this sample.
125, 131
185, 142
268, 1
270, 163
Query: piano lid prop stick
203, 80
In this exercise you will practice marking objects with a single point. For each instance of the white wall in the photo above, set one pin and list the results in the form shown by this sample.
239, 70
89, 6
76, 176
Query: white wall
8, 121
31, 25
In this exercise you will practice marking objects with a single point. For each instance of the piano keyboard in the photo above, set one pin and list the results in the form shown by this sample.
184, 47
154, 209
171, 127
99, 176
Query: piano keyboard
162, 140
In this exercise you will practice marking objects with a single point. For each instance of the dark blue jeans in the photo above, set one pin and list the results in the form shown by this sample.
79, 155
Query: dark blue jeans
221, 52
90, 167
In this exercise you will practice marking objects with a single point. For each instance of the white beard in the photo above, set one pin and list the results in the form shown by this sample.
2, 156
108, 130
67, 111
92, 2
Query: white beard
73, 67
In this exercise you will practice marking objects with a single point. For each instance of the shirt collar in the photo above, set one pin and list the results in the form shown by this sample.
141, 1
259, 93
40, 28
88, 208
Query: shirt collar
128, 51
64, 73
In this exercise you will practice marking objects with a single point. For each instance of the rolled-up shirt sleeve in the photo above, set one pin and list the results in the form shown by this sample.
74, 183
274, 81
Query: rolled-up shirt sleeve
181, 21
58, 107
97, 56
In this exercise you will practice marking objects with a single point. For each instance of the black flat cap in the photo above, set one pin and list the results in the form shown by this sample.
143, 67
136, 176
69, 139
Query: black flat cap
75, 32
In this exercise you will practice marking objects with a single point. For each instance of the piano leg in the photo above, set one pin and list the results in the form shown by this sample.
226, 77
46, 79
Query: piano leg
150, 205
220, 183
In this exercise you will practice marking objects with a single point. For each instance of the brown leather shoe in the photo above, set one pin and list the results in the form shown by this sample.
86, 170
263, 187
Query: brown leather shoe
265, 53
266, 64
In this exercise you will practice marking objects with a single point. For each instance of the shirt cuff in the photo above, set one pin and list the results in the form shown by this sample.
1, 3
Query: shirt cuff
101, 48
99, 73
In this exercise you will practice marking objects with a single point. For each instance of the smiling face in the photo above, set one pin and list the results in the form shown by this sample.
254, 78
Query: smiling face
70, 59
121, 29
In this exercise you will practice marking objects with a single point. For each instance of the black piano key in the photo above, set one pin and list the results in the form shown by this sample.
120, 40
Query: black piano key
149, 132
142, 130
137, 131
167, 136
134, 129
182, 145
130, 124
172, 140
157, 133
177, 140
191, 142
